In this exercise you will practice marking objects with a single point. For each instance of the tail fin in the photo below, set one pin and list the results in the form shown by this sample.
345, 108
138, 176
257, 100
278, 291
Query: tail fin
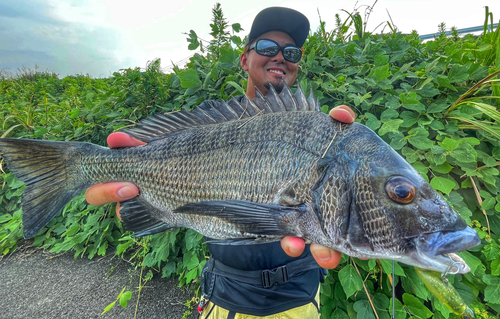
49, 171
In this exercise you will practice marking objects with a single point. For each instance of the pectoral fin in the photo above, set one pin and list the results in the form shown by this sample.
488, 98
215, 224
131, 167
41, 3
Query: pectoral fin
139, 217
251, 217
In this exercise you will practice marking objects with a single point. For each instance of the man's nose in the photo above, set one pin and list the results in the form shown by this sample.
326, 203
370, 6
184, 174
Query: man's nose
279, 57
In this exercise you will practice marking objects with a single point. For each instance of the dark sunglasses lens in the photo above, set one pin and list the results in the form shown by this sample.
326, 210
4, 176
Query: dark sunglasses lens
267, 48
292, 54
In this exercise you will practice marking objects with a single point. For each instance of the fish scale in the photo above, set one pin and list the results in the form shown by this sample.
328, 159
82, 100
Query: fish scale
251, 171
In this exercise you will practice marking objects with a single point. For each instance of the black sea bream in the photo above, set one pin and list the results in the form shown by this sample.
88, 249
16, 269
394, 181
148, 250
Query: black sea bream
252, 172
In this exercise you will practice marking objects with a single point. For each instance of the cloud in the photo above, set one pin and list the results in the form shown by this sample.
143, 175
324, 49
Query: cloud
32, 33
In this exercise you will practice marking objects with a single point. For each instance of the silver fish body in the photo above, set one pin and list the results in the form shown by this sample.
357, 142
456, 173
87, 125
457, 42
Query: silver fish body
252, 172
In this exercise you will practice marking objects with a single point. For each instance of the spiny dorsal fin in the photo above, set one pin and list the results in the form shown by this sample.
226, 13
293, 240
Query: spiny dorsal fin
213, 112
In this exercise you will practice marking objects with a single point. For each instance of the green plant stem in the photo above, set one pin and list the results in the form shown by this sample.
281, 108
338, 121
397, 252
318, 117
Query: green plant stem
366, 290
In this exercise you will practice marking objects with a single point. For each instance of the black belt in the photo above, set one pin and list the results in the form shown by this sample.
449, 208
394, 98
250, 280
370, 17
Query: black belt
265, 278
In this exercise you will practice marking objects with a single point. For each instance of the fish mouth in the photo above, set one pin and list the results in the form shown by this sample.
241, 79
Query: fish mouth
436, 251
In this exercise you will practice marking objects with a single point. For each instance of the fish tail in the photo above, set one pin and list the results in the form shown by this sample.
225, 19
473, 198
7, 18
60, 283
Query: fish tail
51, 172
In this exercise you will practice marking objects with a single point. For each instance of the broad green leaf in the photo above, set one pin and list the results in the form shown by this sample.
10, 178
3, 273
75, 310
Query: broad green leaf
495, 267
392, 102
382, 73
415, 306
236, 27
390, 126
350, 280
421, 142
445, 82
169, 269
412, 283
488, 203
15, 183
410, 154
420, 167
189, 78
236, 86
387, 266
191, 275
496, 152
381, 304
399, 310
364, 310
437, 107
428, 91
372, 122
492, 291
125, 298
338, 314
444, 168
381, 60
472, 261
6, 217
458, 73
437, 126
438, 305
409, 118
411, 101
442, 184
388, 115
491, 251
449, 144
398, 140
464, 153
489, 161
193, 262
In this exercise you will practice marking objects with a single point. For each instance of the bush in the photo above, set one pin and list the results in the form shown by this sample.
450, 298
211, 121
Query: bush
435, 102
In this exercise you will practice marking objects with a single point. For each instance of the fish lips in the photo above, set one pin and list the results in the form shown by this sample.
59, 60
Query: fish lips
436, 250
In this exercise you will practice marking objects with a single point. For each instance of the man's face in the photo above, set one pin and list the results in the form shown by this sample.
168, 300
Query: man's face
263, 70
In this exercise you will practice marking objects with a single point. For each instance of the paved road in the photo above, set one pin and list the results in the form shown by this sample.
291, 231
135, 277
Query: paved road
37, 284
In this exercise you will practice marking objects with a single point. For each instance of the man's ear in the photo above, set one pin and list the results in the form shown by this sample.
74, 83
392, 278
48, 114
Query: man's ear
244, 61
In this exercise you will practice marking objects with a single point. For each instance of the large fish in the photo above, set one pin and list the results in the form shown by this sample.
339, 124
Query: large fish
247, 172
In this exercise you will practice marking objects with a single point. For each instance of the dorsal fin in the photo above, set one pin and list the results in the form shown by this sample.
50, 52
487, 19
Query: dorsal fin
213, 112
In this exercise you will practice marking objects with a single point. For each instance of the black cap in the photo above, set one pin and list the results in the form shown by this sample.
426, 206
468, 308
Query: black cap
286, 20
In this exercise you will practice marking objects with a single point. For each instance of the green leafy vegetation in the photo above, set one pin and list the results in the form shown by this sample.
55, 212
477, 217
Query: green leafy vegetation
436, 103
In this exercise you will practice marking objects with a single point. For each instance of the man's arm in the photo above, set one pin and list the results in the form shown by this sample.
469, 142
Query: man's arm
119, 191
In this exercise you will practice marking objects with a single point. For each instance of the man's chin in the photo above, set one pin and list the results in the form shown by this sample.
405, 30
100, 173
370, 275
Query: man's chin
277, 85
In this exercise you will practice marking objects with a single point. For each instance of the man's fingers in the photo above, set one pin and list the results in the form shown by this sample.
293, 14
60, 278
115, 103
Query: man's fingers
110, 192
343, 113
325, 257
120, 139
293, 246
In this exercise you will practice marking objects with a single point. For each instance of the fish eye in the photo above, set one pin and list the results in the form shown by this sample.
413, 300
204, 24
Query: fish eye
400, 190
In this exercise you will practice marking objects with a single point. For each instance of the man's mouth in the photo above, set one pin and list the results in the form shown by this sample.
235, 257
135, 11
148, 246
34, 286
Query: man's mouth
279, 72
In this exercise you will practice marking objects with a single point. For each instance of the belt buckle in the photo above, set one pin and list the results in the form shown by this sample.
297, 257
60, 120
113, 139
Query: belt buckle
274, 276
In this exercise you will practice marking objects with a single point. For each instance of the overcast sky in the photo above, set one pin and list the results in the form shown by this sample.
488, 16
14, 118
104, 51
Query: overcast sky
99, 37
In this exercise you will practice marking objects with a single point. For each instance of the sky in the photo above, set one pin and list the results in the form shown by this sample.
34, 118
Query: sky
99, 37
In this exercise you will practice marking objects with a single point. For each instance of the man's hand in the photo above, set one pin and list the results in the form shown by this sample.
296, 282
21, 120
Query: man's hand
294, 246
116, 191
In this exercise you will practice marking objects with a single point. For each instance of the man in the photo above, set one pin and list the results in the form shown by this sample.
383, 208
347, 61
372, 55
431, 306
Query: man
270, 58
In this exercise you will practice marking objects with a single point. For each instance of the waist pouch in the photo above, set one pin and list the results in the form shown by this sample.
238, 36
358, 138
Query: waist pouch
262, 280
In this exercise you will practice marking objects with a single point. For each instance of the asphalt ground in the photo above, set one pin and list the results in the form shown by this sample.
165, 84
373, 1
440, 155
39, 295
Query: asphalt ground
37, 284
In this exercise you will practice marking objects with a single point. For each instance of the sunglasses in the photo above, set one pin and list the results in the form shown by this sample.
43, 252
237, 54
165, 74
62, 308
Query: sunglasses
268, 47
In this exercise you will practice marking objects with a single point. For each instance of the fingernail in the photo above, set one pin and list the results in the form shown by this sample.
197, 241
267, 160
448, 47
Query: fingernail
126, 192
341, 114
294, 250
323, 255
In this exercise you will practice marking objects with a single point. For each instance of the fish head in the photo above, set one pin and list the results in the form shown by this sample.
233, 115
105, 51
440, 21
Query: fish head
427, 231
394, 213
